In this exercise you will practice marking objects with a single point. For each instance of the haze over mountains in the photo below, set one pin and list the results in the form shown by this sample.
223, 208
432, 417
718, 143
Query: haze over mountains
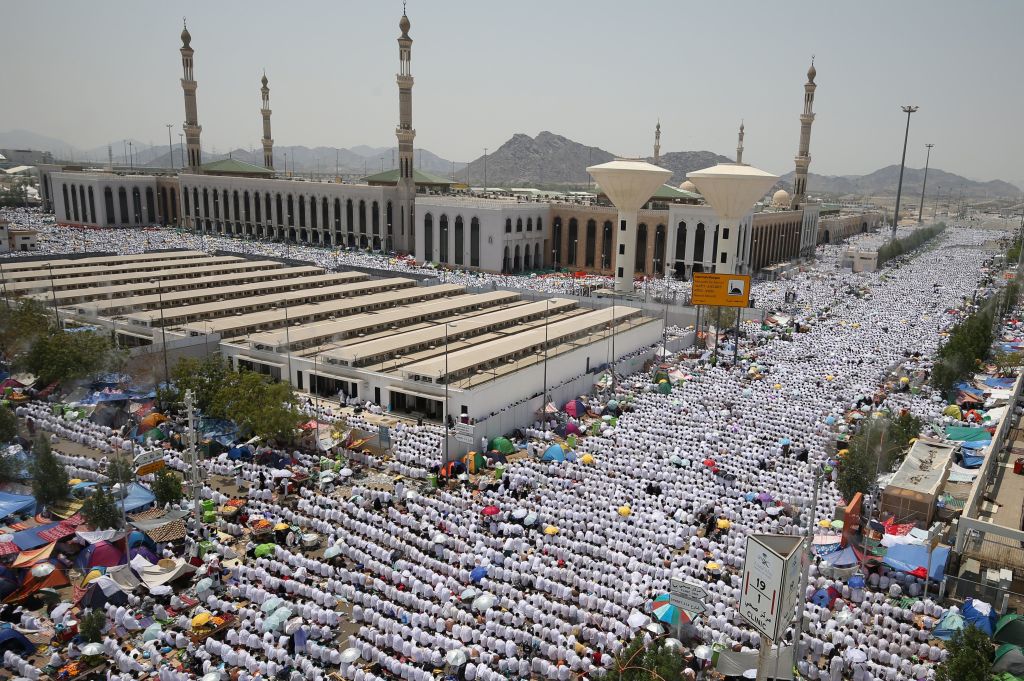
547, 160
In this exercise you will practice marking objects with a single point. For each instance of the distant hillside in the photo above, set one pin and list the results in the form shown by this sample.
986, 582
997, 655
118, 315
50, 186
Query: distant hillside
682, 162
883, 182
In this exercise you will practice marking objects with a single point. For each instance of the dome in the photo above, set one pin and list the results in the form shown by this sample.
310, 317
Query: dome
404, 24
186, 37
688, 186
780, 198
811, 73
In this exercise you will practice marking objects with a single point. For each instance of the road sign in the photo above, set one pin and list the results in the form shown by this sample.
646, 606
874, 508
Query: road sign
151, 467
688, 596
465, 432
769, 594
724, 290
148, 457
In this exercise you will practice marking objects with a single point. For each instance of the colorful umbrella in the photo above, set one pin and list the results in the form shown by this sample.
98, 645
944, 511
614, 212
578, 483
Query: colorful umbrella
490, 510
478, 573
666, 612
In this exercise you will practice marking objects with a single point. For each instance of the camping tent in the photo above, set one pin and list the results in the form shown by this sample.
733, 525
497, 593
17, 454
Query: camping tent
100, 554
138, 497
17, 642
503, 445
1010, 629
980, 614
575, 408
554, 453
31, 584
101, 591
950, 623
1009, 659
475, 462
16, 503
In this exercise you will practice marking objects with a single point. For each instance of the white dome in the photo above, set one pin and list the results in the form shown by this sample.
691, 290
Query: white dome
688, 186
780, 198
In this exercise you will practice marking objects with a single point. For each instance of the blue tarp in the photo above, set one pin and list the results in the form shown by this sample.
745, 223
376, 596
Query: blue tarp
950, 623
29, 539
16, 503
845, 558
13, 639
138, 497
974, 444
999, 383
980, 614
972, 461
909, 557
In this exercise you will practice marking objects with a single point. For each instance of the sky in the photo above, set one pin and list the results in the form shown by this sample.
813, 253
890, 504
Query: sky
601, 72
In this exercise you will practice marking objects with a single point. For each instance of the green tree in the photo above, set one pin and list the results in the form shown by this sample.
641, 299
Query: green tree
257, 405
49, 477
653, 662
859, 468
121, 470
101, 511
969, 659
8, 425
65, 356
904, 428
21, 325
167, 487
204, 377
91, 625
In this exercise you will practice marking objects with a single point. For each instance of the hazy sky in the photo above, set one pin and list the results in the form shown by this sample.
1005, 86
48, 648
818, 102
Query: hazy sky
598, 71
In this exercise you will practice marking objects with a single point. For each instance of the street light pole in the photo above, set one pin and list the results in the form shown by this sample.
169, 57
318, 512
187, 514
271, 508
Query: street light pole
485, 170
163, 331
819, 477
170, 148
924, 183
3, 282
53, 294
544, 401
444, 420
899, 187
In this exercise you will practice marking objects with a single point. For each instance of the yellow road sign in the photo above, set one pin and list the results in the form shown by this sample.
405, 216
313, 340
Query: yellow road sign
721, 290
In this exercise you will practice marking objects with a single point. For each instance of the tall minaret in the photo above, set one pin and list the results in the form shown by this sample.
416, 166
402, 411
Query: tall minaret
657, 143
803, 156
406, 133
268, 141
188, 84
739, 146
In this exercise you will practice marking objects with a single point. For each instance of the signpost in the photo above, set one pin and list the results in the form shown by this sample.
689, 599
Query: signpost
721, 290
771, 585
151, 467
687, 596
464, 433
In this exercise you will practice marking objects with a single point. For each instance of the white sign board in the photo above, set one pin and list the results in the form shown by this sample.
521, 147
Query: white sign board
463, 438
688, 596
768, 596
147, 457
464, 432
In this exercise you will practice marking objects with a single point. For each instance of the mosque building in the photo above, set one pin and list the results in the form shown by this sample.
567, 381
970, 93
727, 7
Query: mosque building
409, 211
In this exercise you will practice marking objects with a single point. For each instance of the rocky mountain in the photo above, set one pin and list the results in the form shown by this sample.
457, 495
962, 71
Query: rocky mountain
883, 182
682, 162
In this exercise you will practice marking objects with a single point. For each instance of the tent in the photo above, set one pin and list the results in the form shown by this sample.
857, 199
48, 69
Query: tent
100, 554
112, 414
1010, 629
824, 598
15, 641
503, 445
1009, 659
33, 556
10, 504
950, 623
155, 575
554, 453
475, 462
966, 433
101, 591
138, 538
123, 575
980, 614
575, 408
138, 498
144, 552
151, 421
31, 584
842, 559
913, 558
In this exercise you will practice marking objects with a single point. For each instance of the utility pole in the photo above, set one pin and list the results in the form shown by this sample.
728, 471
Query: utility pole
485, 169
193, 459
924, 183
899, 187
170, 147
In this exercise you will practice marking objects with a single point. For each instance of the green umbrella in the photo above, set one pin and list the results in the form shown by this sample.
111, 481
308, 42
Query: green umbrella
264, 550
155, 433
503, 445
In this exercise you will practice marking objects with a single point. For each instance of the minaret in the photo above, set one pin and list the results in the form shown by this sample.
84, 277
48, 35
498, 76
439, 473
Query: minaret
739, 146
188, 84
268, 141
803, 157
657, 143
406, 133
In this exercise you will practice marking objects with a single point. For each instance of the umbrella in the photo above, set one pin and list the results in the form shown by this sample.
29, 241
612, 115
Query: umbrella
750, 674
468, 594
625, 510
856, 581
764, 498
773, 510
332, 551
490, 510
440, 538
837, 524
205, 584
281, 473
637, 619
673, 644
530, 520
271, 604
478, 573
483, 602
263, 550
345, 472
456, 658
280, 526
42, 569
282, 613
152, 632
211, 676
293, 625
664, 610
519, 514
703, 652
160, 590
655, 628
201, 619
856, 656
710, 463
587, 459
350, 655
93, 649
550, 530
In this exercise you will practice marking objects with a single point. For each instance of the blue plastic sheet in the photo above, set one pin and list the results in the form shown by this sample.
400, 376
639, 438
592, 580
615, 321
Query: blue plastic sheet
138, 497
909, 557
16, 503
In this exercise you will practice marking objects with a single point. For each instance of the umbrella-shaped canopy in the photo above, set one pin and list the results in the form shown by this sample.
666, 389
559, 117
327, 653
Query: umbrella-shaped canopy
587, 459
332, 551
503, 445
637, 619
456, 657
42, 569
483, 602
519, 514
263, 550
575, 408
478, 573
271, 604
439, 538
93, 649
201, 619
530, 520
203, 585
710, 463
490, 510
624, 510
152, 632
550, 530
350, 655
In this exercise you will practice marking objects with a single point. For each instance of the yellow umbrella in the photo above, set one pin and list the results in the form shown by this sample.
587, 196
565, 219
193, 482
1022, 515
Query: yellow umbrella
550, 530
830, 377
587, 459
74, 481
714, 566
778, 386
904, 380
200, 619
842, 452
824, 523
724, 524
93, 574
625, 511
280, 526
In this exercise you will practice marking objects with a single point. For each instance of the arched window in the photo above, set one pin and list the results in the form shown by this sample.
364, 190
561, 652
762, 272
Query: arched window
640, 261
517, 263
529, 224
235, 211
162, 198
388, 219
226, 216
505, 264
108, 205
606, 245
681, 241
519, 224
206, 203
81, 200
216, 204
428, 238
412, 233
247, 206
527, 260
337, 215
280, 213
538, 260
150, 206
714, 248
174, 206
290, 204
136, 205
302, 211
591, 244
659, 250
460, 240
312, 212
350, 223
573, 240
70, 209
362, 216
325, 217
375, 217
556, 239
474, 242
195, 201
698, 243
508, 225
257, 205
185, 196
443, 233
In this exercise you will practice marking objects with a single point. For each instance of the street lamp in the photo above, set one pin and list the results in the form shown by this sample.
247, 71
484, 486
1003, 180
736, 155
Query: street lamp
53, 294
163, 329
445, 419
544, 402
287, 339
924, 183
181, 151
899, 187
3, 283
822, 471
170, 148
485, 170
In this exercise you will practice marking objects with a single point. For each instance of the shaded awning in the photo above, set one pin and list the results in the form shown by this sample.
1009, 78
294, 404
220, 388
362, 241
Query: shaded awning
413, 393
253, 360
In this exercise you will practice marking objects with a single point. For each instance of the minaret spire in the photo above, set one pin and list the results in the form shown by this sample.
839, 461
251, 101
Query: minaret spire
189, 85
739, 145
657, 142
268, 141
405, 133
803, 156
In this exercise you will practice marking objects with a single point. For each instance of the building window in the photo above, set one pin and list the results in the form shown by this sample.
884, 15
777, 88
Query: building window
459, 240
573, 240
474, 242
519, 224
508, 225
443, 233
590, 244
640, 259
428, 238
529, 224
619, 272
622, 249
